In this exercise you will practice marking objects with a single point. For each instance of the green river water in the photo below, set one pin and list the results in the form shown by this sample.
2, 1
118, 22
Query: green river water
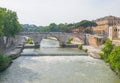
58, 69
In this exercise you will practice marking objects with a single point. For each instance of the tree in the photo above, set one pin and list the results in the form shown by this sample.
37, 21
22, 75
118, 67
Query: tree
30, 28
85, 26
9, 25
85, 23
53, 27
114, 59
108, 47
2, 17
44, 29
67, 27
61, 27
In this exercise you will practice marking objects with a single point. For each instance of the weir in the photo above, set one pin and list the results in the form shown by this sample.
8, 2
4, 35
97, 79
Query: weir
51, 47
53, 52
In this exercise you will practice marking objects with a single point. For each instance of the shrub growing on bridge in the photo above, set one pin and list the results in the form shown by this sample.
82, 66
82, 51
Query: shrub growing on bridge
80, 46
29, 41
69, 40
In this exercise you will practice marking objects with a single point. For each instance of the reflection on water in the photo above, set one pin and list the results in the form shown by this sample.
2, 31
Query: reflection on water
58, 69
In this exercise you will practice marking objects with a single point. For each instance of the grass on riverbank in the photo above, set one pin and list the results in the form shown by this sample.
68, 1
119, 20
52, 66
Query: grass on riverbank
4, 61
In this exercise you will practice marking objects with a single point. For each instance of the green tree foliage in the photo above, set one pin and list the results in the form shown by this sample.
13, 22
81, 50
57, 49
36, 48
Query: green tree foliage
45, 29
59, 27
69, 40
114, 59
29, 41
85, 23
80, 46
9, 25
30, 28
53, 27
111, 55
63, 27
108, 47
2, 17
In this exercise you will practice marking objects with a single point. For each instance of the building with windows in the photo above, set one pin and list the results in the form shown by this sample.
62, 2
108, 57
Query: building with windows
114, 33
108, 27
104, 24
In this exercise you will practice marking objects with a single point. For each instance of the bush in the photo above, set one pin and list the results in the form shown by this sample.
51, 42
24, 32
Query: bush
108, 47
111, 54
29, 41
4, 61
114, 59
80, 46
69, 40
86, 50
101, 55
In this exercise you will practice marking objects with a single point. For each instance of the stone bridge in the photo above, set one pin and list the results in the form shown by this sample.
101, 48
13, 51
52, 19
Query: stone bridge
38, 36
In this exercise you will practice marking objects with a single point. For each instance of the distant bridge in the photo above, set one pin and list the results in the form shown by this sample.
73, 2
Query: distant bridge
38, 36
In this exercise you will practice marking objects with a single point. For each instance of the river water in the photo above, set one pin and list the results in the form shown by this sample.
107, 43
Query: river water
58, 69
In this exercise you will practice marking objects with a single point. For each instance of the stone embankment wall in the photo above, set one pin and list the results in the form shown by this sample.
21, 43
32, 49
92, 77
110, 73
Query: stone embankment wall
116, 42
94, 40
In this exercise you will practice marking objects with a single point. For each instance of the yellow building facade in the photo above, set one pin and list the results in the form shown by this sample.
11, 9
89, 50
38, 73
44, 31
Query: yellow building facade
114, 32
104, 24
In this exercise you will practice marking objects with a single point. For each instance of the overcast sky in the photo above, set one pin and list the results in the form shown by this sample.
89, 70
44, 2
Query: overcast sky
44, 12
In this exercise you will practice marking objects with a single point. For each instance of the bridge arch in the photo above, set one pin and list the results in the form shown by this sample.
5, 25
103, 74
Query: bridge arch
53, 37
62, 37
76, 40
